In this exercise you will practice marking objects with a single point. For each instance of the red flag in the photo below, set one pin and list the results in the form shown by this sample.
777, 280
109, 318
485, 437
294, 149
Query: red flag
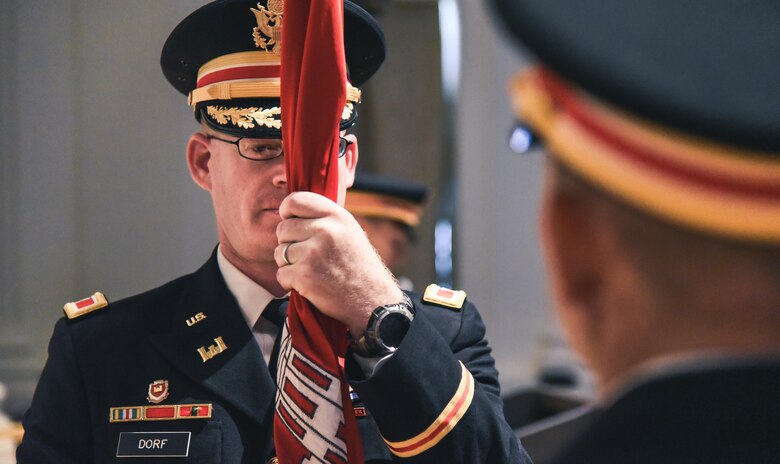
310, 419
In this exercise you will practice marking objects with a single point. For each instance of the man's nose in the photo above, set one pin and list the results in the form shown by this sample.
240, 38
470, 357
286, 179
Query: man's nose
280, 176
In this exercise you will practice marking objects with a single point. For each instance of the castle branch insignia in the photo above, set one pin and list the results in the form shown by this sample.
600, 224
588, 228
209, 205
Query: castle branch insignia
246, 118
158, 391
268, 33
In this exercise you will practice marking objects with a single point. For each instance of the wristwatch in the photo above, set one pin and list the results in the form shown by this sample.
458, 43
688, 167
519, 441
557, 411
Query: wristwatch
386, 328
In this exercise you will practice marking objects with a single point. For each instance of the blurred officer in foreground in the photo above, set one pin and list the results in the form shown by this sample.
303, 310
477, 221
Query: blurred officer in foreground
661, 217
186, 370
388, 209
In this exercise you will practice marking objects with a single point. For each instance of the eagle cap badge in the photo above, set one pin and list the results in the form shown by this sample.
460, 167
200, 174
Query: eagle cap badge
268, 33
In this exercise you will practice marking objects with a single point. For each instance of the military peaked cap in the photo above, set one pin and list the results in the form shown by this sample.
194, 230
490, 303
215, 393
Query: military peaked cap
387, 197
671, 105
226, 58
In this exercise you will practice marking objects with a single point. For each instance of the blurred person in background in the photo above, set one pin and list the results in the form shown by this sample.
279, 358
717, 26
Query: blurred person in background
660, 217
388, 209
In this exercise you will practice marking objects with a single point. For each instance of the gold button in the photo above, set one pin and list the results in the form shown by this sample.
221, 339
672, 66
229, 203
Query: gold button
273, 460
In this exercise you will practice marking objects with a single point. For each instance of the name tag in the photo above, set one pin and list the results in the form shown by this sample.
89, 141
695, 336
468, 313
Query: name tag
153, 444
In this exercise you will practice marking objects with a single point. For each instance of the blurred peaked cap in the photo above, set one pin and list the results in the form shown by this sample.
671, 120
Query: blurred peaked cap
671, 106
391, 186
387, 197
225, 57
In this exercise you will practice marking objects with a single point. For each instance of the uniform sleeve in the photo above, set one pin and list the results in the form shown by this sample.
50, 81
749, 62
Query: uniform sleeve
57, 426
437, 400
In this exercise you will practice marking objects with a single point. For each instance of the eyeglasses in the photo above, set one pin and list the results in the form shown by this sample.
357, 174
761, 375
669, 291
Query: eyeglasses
267, 149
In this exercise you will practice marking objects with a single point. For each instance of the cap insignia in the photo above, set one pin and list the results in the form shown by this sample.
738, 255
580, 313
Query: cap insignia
246, 118
441, 296
87, 305
268, 33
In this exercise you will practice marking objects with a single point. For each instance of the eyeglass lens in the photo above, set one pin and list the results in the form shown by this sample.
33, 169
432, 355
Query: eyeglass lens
260, 149
264, 149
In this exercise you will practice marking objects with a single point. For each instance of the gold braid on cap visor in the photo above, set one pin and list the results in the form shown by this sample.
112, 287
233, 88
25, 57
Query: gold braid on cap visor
249, 88
250, 74
694, 182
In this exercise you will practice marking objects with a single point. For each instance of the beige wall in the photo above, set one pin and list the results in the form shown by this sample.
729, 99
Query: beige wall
95, 193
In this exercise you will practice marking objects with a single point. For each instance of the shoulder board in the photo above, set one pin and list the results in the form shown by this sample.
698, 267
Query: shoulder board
87, 305
441, 296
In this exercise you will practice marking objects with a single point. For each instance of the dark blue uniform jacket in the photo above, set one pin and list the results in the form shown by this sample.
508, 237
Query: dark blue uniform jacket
107, 359
725, 414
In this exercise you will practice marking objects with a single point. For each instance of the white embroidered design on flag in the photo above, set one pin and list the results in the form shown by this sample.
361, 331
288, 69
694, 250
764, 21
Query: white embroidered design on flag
308, 398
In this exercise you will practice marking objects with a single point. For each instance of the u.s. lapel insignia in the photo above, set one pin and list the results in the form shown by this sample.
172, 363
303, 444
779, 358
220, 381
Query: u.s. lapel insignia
158, 391
212, 350
87, 305
441, 296
195, 319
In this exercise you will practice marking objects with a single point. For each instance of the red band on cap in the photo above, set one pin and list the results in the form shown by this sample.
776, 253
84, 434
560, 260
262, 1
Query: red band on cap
654, 159
241, 72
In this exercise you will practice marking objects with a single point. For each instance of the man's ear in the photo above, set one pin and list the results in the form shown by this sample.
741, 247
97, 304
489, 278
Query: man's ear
573, 242
198, 160
351, 160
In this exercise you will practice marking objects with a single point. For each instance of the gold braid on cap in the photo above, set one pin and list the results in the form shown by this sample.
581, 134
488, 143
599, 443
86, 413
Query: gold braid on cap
250, 88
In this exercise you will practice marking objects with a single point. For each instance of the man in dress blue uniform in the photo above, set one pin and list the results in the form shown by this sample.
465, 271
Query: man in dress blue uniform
182, 371
661, 217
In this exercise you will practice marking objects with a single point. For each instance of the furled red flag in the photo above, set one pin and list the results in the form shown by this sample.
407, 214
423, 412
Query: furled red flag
310, 423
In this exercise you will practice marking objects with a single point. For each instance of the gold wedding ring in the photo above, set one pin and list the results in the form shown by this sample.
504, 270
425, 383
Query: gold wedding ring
284, 253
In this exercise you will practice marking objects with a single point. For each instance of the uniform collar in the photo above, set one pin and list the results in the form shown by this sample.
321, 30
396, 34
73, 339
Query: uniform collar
252, 298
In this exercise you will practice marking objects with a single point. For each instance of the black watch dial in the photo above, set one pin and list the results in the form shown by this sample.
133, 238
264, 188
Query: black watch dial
393, 328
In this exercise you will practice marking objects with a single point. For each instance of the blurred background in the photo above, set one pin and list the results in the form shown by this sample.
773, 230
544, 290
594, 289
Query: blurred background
96, 195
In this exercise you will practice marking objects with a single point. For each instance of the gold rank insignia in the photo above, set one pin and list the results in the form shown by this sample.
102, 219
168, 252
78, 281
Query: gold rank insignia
446, 297
87, 305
